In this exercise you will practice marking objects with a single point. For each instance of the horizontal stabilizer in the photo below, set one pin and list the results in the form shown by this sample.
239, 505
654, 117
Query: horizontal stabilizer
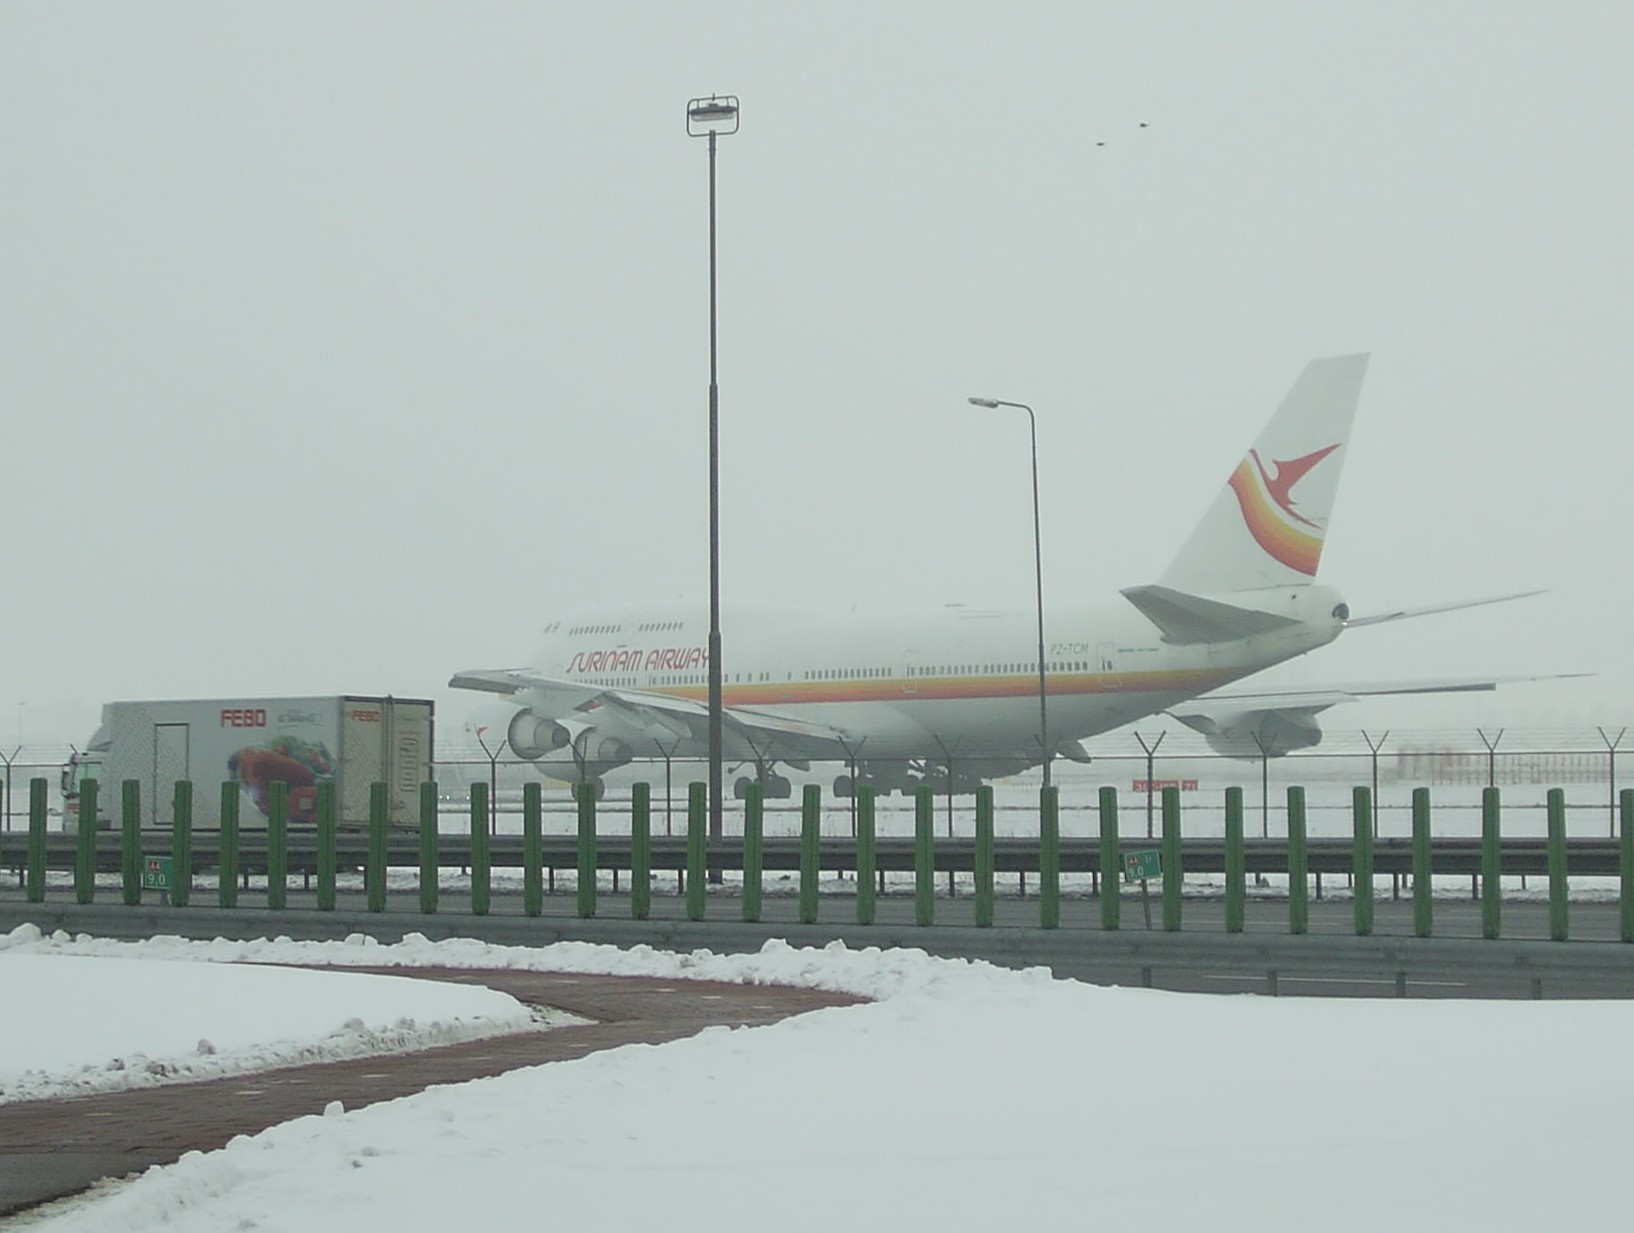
1187, 619
1402, 614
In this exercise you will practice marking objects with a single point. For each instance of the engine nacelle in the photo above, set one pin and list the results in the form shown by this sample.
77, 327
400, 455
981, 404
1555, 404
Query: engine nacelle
1257, 734
598, 753
533, 736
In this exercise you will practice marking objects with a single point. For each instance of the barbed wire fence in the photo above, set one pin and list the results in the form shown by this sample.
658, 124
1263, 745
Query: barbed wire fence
1455, 764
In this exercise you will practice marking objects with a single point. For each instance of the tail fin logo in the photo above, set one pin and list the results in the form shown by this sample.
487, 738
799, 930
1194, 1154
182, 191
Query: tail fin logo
1267, 504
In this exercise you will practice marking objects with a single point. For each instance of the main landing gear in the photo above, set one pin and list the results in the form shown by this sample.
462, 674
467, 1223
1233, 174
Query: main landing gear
774, 787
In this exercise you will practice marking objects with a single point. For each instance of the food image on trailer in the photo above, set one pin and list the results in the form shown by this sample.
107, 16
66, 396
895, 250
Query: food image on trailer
302, 764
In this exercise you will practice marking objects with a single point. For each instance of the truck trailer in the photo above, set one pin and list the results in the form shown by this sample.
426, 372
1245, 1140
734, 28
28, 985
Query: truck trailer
348, 741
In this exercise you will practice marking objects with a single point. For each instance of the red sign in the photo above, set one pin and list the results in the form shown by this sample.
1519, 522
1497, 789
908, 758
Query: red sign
244, 717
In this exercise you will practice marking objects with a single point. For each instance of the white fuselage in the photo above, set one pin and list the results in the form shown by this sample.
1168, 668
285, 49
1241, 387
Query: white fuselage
902, 685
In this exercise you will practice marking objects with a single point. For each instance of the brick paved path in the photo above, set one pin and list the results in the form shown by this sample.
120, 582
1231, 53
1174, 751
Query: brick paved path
53, 1148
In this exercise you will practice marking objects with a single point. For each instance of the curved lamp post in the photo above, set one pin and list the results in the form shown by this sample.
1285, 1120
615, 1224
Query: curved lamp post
1038, 574
709, 117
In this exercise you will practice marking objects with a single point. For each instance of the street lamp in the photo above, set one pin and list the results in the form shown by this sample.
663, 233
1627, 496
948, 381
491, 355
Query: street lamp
1038, 574
717, 114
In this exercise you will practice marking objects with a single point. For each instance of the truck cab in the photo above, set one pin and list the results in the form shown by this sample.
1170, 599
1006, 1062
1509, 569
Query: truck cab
79, 768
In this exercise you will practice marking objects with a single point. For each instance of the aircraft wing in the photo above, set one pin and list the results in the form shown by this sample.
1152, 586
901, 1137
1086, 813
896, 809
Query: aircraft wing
567, 695
1323, 696
638, 709
1243, 722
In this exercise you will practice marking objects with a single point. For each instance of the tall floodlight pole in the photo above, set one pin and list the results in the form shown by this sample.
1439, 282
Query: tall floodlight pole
717, 114
1038, 577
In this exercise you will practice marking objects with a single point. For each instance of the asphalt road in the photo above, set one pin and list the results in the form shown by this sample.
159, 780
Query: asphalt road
53, 1148
1329, 960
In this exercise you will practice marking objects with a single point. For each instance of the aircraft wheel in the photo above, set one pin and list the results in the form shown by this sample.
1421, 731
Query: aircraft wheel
740, 788
844, 788
778, 788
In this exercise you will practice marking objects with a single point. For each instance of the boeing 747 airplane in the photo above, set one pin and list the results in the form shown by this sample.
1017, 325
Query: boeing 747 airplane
950, 696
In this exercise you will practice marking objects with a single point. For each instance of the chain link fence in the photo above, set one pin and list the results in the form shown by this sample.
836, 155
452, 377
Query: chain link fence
1456, 765
1589, 764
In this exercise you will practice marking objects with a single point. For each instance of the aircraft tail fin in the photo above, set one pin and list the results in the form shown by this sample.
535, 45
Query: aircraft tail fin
1267, 526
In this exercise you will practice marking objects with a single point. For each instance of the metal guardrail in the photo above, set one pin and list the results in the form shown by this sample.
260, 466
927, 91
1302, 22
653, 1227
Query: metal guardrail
698, 858
958, 855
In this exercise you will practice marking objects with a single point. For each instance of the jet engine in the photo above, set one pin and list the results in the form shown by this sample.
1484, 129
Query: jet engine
1256, 734
533, 736
598, 754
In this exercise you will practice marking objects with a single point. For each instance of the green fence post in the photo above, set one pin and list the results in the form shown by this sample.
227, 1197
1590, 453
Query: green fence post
1299, 890
374, 876
181, 845
1559, 921
430, 869
1625, 800
984, 856
533, 872
130, 844
1049, 857
36, 840
586, 793
754, 851
640, 851
867, 862
1236, 865
323, 815
697, 852
481, 872
1423, 900
227, 872
1111, 861
811, 819
277, 845
1361, 809
924, 859
1173, 870
1491, 864
85, 844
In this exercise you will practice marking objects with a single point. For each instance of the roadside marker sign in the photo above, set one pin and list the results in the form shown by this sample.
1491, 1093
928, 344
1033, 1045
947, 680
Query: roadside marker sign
156, 873
1144, 865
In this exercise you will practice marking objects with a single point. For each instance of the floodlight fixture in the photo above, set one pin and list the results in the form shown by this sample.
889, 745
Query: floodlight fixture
716, 114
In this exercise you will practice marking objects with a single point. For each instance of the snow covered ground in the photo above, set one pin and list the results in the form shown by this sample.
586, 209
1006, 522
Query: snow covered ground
80, 1023
965, 1097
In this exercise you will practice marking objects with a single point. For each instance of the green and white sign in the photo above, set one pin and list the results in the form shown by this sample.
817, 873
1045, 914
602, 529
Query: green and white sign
156, 873
1143, 866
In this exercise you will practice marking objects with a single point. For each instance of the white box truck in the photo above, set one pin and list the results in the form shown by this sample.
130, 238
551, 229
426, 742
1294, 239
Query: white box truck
348, 741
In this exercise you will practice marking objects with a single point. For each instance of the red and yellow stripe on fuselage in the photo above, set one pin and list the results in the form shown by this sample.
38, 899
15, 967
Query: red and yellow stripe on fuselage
1187, 681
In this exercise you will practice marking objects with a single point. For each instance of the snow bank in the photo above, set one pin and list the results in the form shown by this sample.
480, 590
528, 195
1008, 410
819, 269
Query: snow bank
78, 1022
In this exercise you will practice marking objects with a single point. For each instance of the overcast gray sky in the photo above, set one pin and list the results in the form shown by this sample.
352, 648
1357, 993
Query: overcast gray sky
342, 345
